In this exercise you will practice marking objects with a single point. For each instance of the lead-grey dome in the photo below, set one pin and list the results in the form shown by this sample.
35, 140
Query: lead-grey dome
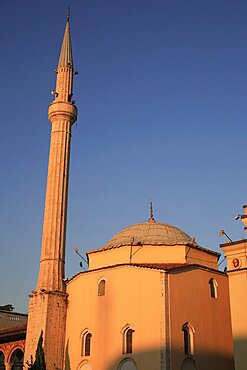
151, 233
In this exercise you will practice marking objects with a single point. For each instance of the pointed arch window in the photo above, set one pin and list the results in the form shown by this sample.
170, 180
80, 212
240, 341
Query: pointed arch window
101, 287
127, 364
86, 343
213, 288
2, 361
127, 340
16, 359
188, 331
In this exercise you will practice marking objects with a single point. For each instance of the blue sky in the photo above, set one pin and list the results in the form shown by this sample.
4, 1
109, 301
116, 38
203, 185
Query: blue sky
161, 93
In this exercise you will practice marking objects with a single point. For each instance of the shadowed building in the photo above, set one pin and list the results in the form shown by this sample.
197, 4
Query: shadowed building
12, 339
10, 319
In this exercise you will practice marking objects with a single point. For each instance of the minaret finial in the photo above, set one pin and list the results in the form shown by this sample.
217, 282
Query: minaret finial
151, 218
68, 14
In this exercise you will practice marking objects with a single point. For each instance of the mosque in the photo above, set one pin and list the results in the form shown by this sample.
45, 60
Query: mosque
152, 297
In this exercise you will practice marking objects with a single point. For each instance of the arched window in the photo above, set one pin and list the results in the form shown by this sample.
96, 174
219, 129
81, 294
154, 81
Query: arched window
85, 366
2, 361
88, 337
213, 288
86, 343
128, 340
127, 364
16, 360
101, 287
188, 331
188, 364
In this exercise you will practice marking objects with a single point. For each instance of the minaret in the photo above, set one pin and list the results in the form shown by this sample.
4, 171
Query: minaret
47, 309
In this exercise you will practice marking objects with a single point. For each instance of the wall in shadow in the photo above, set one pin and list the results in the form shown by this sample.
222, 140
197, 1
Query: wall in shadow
150, 360
240, 353
67, 359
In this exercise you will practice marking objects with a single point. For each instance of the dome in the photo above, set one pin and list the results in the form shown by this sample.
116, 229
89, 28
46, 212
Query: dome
151, 233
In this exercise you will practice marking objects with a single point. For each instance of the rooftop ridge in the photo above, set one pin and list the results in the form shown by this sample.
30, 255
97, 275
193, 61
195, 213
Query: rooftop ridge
154, 266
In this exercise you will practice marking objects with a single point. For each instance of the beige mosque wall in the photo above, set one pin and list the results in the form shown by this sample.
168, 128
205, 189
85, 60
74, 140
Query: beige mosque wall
201, 257
236, 255
238, 288
140, 254
134, 297
191, 301
152, 254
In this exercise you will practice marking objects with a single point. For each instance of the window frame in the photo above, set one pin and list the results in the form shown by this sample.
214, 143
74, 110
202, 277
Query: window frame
213, 288
102, 287
127, 340
2, 364
86, 343
188, 334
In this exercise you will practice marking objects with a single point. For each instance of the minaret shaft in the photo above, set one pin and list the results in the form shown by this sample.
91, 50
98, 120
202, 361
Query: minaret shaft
54, 230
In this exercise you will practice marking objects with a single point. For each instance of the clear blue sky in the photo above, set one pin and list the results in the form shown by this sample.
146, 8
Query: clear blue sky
161, 93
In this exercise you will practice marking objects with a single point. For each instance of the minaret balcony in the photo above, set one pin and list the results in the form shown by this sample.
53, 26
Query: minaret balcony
58, 109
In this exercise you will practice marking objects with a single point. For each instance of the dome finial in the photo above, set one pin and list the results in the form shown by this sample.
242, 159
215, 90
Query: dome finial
151, 218
68, 14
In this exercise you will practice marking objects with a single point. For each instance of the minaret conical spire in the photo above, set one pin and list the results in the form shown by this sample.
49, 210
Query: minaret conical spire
66, 58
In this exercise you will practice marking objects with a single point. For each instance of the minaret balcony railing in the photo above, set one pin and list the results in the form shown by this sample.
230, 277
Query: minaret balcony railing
62, 108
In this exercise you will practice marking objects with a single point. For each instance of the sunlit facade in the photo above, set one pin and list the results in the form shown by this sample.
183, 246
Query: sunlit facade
236, 256
155, 309
151, 298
